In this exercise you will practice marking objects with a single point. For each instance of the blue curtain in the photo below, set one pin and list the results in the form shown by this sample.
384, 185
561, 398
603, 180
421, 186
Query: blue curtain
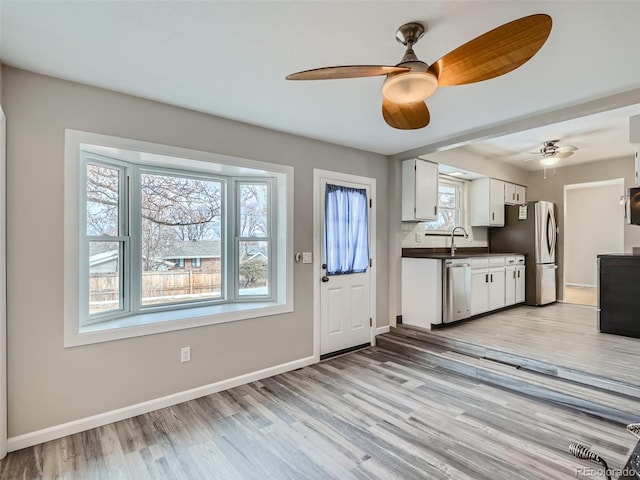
346, 231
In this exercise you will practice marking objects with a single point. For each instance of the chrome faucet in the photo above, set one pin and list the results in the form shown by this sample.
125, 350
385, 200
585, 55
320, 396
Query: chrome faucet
453, 243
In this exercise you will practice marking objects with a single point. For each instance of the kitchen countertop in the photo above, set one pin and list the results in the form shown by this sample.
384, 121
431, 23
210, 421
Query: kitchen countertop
441, 255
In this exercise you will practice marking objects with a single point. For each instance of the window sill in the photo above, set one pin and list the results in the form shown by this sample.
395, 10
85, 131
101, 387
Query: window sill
167, 321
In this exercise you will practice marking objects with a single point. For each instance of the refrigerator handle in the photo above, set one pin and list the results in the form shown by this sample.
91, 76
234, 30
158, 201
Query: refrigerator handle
551, 234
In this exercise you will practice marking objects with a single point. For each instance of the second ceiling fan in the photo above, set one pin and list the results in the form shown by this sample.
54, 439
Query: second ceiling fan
411, 81
551, 153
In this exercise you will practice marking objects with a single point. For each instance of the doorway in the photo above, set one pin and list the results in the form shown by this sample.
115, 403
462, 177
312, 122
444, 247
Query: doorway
344, 272
3, 287
594, 224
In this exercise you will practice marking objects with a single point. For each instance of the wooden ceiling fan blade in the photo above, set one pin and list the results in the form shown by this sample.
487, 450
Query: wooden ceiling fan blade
560, 154
346, 71
494, 53
405, 116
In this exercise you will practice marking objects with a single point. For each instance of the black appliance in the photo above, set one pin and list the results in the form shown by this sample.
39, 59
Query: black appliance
531, 229
633, 206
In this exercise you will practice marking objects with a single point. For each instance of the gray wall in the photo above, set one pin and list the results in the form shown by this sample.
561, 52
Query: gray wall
50, 385
552, 189
594, 224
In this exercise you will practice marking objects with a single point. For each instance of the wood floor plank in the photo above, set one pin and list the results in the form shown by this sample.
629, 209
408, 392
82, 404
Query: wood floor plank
560, 333
367, 415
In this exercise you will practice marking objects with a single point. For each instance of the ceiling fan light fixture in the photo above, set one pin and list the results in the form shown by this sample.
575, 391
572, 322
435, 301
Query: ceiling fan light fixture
549, 161
409, 87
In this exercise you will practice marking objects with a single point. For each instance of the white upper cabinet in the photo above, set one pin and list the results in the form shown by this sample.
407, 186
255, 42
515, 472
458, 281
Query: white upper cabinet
509, 193
419, 190
514, 194
486, 202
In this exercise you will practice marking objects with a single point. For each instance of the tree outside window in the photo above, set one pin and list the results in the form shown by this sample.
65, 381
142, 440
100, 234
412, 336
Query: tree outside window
449, 208
173, 216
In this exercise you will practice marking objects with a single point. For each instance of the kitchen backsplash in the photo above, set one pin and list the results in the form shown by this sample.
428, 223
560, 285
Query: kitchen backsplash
413, 236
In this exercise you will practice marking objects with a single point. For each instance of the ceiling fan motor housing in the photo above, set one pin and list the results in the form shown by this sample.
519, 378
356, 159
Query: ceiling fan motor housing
410, 33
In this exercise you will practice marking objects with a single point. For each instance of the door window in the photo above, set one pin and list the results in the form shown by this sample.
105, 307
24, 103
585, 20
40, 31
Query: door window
346, 230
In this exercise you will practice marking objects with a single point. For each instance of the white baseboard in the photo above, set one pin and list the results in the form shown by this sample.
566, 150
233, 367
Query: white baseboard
584, 285
57, 431
381, 330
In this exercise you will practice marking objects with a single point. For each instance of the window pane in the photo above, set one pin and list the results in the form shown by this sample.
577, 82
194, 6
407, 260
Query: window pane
346, 230
253, 210
103, 194
253, 268
447, 219
181, 219
448, 209
104, 277
447, 189
447, 200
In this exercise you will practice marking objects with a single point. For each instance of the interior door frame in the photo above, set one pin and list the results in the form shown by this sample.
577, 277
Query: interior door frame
3, 285
318, 175
565, 212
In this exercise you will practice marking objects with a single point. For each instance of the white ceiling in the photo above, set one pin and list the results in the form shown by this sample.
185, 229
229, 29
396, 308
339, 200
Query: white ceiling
597, 137
230, 58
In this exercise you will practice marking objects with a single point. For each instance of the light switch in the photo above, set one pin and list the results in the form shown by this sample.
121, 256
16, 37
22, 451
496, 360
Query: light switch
306, 257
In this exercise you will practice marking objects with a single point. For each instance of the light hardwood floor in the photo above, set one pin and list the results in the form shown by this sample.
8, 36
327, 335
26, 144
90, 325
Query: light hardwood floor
581, 295
559, 333
370, 414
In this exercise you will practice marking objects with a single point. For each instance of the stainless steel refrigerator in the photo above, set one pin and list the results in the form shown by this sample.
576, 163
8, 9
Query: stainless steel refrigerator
531, 229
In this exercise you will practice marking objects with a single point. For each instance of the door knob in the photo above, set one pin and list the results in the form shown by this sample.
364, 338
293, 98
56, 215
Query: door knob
324, 266
325, 279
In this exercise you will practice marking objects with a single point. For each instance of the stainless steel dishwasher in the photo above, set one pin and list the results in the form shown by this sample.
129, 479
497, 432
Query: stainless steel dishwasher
456, 292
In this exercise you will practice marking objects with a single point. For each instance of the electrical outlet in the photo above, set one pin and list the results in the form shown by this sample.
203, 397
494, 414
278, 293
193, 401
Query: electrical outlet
306, 257
185, 354
419, 237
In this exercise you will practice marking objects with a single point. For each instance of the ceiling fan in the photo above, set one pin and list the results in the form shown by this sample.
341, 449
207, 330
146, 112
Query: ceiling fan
551, 153
411, 81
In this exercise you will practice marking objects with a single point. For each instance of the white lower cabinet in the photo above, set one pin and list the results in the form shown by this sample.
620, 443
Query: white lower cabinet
496, 287
421, 292
510, 286
514, 280
479, 291
496, 282
520, 283
487, 284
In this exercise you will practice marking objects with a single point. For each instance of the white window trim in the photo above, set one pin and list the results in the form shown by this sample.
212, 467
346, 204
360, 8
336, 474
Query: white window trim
463, 205
165, 321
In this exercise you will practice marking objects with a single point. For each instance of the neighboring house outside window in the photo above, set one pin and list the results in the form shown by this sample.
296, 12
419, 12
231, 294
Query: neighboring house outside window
173, 237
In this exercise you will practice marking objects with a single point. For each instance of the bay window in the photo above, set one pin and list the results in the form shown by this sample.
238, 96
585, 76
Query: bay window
174, 241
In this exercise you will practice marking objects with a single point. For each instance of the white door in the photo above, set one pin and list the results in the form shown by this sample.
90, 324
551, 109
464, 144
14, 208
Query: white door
345, 273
